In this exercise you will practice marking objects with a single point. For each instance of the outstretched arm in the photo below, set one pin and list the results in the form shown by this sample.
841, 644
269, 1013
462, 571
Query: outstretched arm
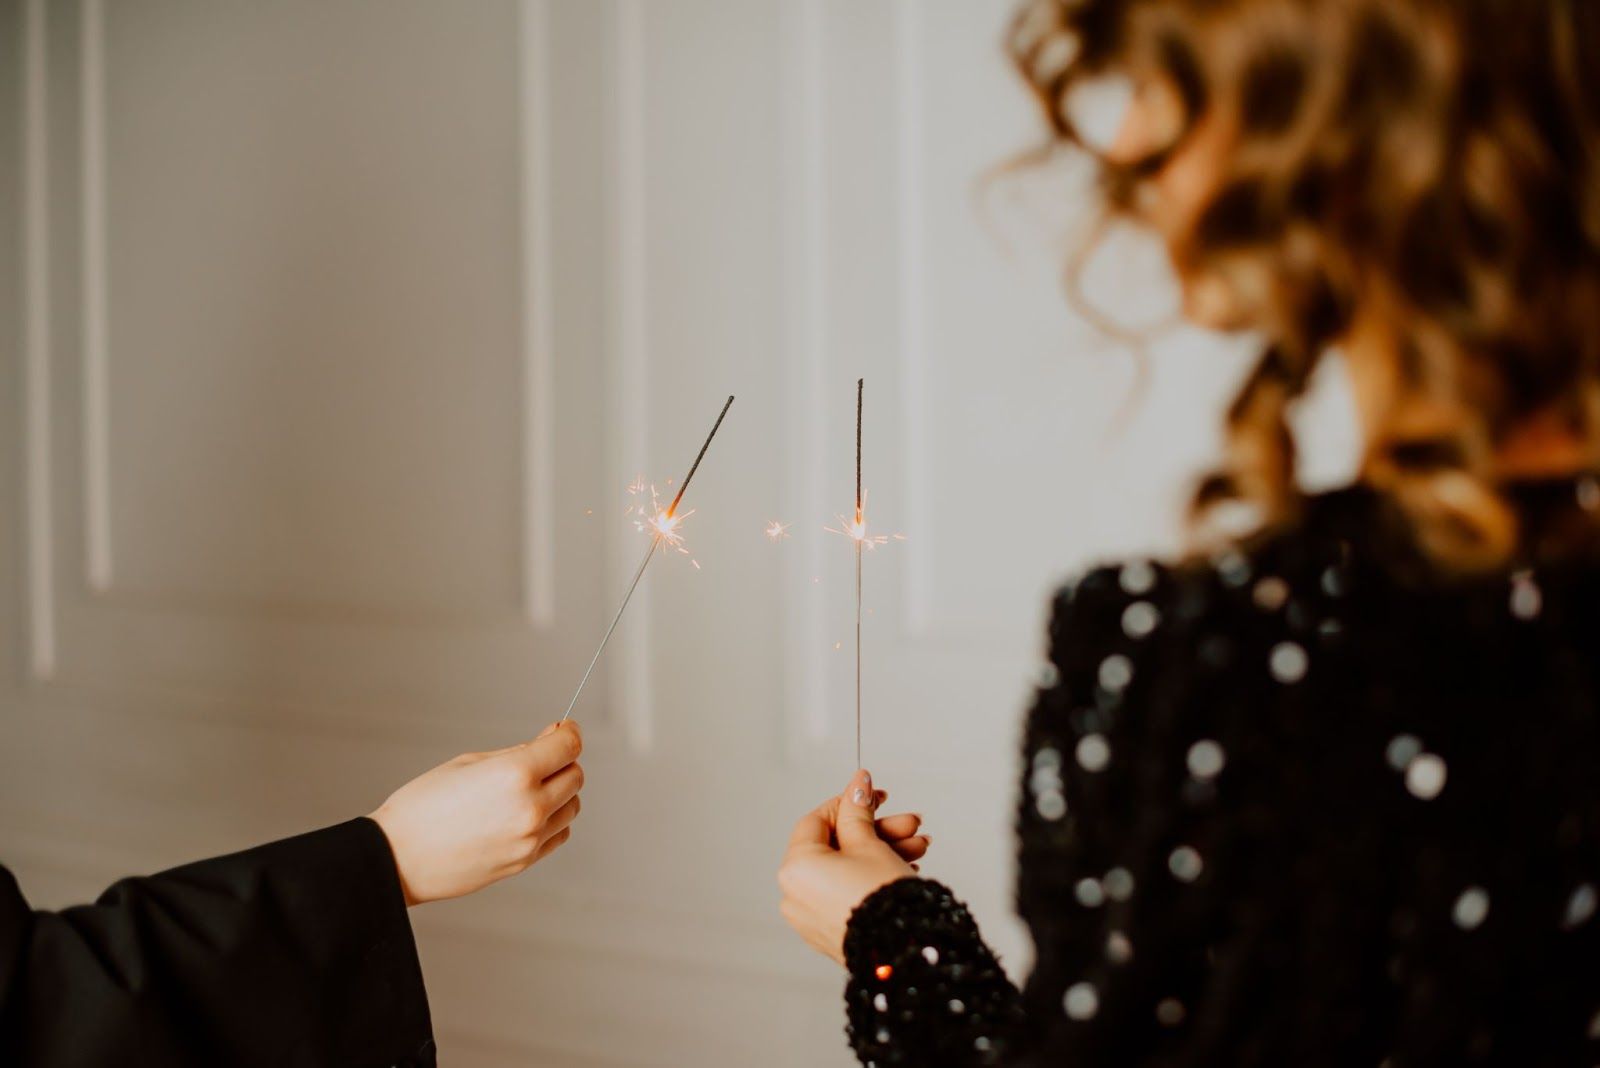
297, 952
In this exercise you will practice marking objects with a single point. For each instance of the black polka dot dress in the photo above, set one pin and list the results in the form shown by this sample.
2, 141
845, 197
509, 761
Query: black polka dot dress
1307, 803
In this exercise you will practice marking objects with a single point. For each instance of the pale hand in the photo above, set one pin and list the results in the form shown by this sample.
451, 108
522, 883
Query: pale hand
838, 856
478, 818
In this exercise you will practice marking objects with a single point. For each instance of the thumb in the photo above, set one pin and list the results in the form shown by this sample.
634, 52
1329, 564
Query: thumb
855, 828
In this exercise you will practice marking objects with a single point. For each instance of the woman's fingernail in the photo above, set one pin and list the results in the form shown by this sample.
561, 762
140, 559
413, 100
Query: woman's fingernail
927, 838
548, 730
859, 796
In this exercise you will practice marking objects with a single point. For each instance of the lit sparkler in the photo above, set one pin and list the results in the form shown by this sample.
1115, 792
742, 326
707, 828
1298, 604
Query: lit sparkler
856, 530
663, 525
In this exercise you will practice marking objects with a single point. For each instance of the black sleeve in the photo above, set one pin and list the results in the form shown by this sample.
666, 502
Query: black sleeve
1107, 859
924, 989
294, 953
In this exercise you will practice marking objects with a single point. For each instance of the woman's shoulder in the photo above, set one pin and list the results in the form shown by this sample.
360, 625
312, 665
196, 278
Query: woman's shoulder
1295, 576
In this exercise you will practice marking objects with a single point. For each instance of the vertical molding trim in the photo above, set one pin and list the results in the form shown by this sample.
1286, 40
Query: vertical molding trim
909, 63
96, 355
629, 417
805, 338
36, 344
538, 312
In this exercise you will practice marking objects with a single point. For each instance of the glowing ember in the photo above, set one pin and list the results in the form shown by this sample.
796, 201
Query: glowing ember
857, 531
777, 531
658, 522
883, 971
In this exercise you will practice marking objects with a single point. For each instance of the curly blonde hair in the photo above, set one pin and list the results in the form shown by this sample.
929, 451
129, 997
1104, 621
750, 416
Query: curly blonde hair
1434, 161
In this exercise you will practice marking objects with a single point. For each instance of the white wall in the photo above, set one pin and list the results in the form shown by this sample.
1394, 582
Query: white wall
332, 332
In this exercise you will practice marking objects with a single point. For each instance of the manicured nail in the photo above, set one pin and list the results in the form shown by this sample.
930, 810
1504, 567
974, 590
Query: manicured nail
859, 796
927, 837
548, 730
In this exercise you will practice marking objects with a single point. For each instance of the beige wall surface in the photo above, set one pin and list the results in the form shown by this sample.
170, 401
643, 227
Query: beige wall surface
331, 332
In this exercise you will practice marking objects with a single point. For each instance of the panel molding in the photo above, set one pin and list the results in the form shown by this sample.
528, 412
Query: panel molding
37, 345
536, 357
538, 317
805, 312
629, 345
912, 307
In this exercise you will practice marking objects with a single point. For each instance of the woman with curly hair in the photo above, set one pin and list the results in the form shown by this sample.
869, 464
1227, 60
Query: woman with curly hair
1326, 792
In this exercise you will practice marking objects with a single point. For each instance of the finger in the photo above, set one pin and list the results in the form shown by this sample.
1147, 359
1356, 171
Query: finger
816, 826
878, 798
561, 787
563, 817
549, 753
855, 829
553, 843
904, 825
911, 848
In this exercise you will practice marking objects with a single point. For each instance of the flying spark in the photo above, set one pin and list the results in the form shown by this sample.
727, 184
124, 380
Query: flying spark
777, 531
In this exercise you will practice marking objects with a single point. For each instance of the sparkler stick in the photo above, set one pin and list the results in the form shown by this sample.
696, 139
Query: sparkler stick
860, 383
663, 526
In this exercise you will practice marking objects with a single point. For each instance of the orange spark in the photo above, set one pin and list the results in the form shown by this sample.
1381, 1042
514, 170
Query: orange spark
778, 531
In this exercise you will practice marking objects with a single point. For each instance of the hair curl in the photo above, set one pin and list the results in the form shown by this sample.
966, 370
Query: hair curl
1436, 162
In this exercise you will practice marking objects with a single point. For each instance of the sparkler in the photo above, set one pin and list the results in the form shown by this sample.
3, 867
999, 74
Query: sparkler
856, 530
662, 524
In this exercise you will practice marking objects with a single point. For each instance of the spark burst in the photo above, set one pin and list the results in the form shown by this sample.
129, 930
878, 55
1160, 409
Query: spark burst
778, 531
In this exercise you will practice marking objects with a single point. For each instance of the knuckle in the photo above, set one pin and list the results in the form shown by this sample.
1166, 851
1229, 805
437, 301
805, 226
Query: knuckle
578, 777
537, 813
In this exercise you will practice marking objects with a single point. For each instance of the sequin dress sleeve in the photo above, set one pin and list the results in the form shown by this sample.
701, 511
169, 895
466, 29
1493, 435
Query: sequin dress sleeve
924, 988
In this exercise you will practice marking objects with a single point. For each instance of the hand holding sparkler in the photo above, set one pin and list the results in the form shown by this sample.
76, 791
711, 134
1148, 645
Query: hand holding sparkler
481, 817
838, 855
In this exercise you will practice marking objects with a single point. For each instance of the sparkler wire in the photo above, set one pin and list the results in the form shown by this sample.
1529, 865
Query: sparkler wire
655, 540
860, 383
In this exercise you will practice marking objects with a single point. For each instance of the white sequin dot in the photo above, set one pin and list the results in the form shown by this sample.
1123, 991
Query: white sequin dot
1136, 577
957, 1006
883, 1035
1270, 593
1116, 671
1526, 599
1169, 1012
1580, 906
1139, 619
1118, 883
1402, 750
1094, 752
1185, 864
1234, 568
1206, 759
1052, 805
1471, 908
1118, 949
1049, 675
881, 1003
981, 1043
1090, 893
1288, 662
930, 954
1589, 494
1426, 775
1082, 1001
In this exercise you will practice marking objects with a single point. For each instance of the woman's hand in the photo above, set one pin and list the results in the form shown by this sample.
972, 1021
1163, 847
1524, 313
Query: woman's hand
478, 818
837, 856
